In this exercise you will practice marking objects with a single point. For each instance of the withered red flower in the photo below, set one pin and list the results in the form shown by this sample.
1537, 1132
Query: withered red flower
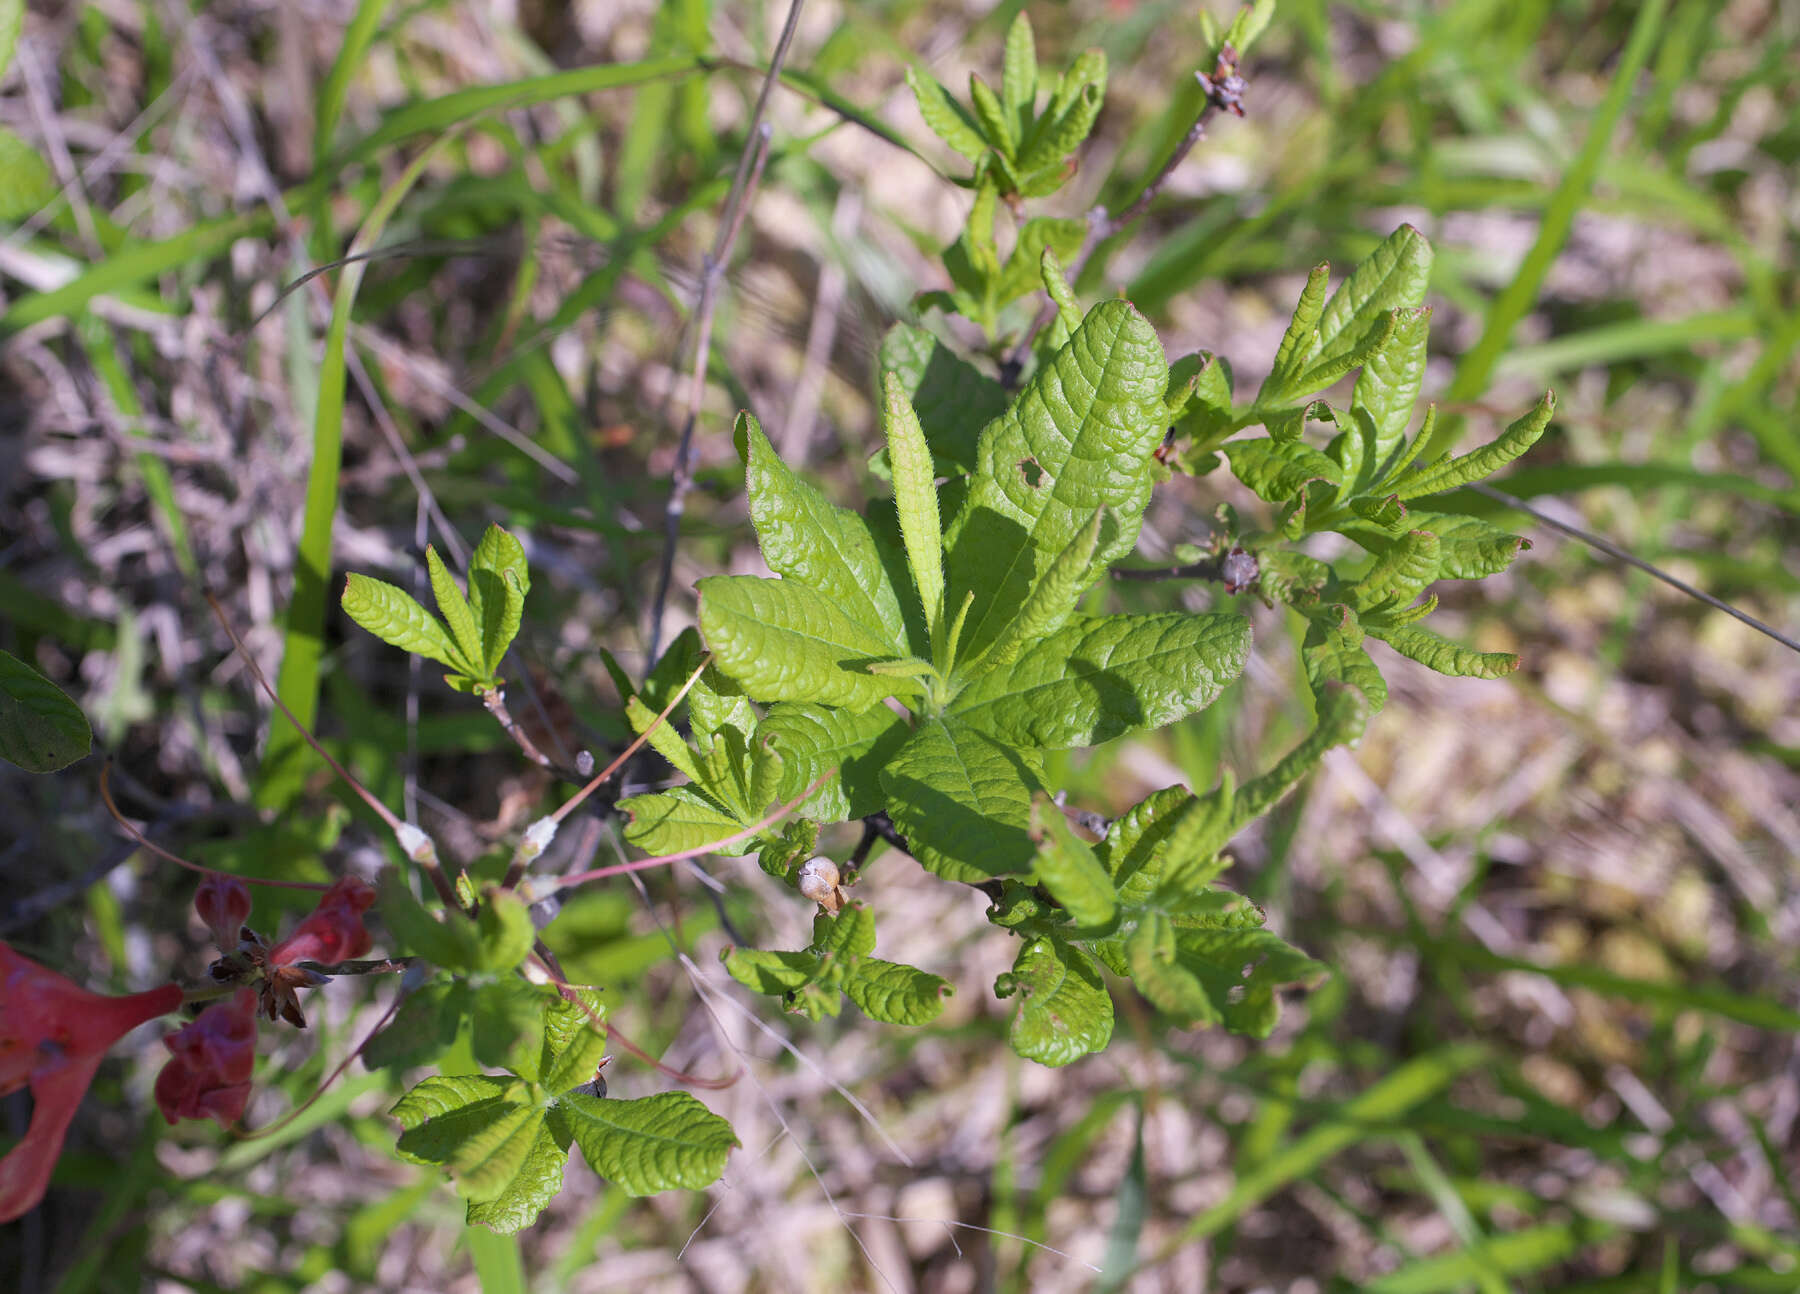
334, 932
52, 1036
210, 1061
223, 902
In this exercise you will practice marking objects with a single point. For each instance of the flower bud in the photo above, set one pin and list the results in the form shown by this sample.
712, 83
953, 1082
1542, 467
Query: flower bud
223, 903
334, 932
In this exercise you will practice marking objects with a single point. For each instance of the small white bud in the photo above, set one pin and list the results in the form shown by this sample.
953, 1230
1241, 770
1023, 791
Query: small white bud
416, 844
818, 881
537, 839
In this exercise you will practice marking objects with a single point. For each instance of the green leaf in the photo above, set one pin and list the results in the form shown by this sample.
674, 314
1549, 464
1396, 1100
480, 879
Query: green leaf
1019, 72
678, 819
1447, 474
1100, 677
1043, 159
772, 972
1064, 1012
1277, 470
395, 617
423, 1027
573, 1042
1299, 342
664, 1142
499, 579
830, 549
1444, 656
1133, 848
26, 182
1399, 574
1469, 548
916, 501
422, 933
482, 1129
41, 729
1151, 955
953, 398
896, 994
1066, 866
1333, 653
1078, 437
538, 1180
785, 641
1325, 370
1088, 69
1047, 608
716, 704
1000, 131
506, 1020
1392, 277
1241, 970
455, 610
812, 739
946, 117
1024, 271
503, 931
843, 938
963, 802
1382, 404
663, 737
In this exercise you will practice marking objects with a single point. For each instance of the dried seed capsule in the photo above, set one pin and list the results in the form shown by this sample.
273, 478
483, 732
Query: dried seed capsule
818, 881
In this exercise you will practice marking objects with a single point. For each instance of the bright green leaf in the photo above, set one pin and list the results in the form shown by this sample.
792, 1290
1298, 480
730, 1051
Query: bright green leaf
1171, 987
1064, 1011
1066, 866
1392, 277
394, 616
963, 802
454, 608
664, 1142
678, 819
1444, 656
1449, 473
499, 579
896, 994
916, 500
948, 120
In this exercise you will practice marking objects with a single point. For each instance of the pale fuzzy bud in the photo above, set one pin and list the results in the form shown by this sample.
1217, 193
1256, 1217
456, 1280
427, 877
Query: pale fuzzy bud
416, 844
536, 840
818, 881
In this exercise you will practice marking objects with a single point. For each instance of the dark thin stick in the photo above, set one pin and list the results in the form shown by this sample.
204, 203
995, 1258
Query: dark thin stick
737, 202
1224, 90
1613, 551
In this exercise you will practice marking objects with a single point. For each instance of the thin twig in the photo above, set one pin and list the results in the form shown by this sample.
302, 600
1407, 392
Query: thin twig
1224, 90
1613, 551
737, 202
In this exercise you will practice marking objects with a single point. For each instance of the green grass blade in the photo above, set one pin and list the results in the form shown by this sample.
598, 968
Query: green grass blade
298, 681
137, 264
1517, 299
1363, 1116
1518, 1253
358, 36
498, 1264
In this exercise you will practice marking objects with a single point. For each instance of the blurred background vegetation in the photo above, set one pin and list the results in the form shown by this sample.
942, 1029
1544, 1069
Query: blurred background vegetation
1559, 1051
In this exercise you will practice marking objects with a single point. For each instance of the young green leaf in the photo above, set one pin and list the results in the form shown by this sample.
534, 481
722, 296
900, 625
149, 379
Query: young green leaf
506, 1025
421, 1030
782, 640
1277, 470
1098, 678
1067, 868
896, 994
1469, 548
1392, 277
991, 117
1399, 574
499, 579
838, 941
454, 608
1447, 474
1299, 342
1382, 404
775, 973
41, 729
806, 538
1043, 157
915, 497
482, 1129
1064, 1012
1241, 969
680, 818
1332, 652
1151, 955
1019, 73
963, 802
954, 399
395, 617
664, 1142
1024, 269
1048, 607
1078, 437
1444, 656
503, 931
946, 117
